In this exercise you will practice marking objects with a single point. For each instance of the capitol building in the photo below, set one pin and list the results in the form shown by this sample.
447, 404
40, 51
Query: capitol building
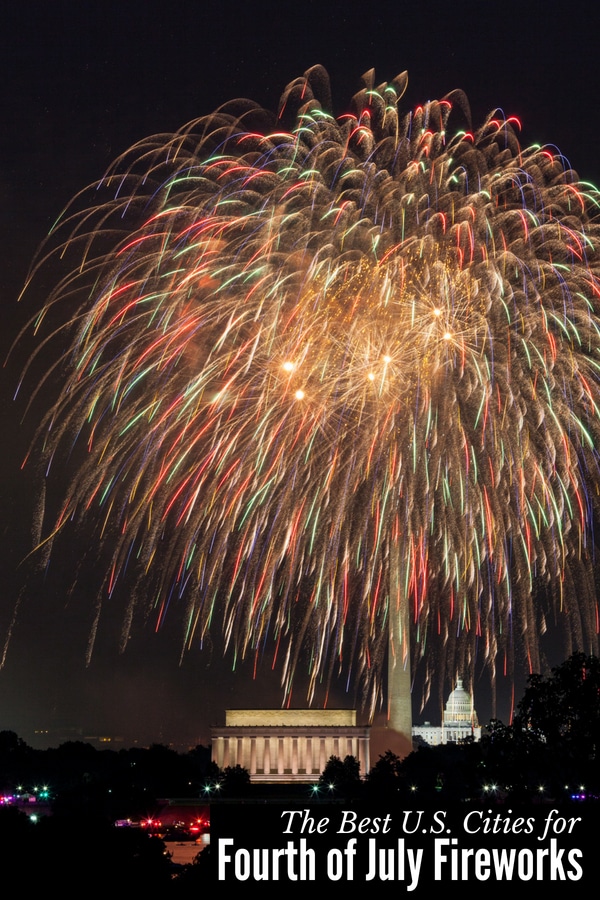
459, 720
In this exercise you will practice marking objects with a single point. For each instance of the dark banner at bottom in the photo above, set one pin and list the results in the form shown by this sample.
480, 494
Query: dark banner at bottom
403, 850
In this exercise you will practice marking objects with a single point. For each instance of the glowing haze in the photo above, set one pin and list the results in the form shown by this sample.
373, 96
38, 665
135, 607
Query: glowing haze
324, 368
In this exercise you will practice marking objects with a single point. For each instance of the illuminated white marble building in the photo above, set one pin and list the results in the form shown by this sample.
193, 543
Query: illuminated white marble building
458, 722
287, 745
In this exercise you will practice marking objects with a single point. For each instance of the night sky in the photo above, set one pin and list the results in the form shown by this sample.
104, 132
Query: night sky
79, 83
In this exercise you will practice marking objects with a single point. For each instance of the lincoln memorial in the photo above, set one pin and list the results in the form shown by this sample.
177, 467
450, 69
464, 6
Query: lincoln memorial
286, 745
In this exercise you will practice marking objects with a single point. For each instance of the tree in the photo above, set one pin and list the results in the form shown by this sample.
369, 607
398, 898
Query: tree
235, 781
342, 776
385, 776
514, 761
10, 742
564, 708
554, 740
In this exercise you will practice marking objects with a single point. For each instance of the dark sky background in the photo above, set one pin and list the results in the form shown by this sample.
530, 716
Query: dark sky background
79, 83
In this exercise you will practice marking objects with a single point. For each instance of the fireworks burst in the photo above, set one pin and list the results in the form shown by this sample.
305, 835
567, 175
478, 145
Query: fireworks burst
328, 368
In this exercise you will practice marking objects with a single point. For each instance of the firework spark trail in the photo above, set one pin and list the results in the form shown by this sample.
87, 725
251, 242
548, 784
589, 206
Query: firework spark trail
299, 352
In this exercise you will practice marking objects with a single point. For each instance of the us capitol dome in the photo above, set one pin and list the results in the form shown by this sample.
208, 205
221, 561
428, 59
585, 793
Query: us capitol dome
459, 720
